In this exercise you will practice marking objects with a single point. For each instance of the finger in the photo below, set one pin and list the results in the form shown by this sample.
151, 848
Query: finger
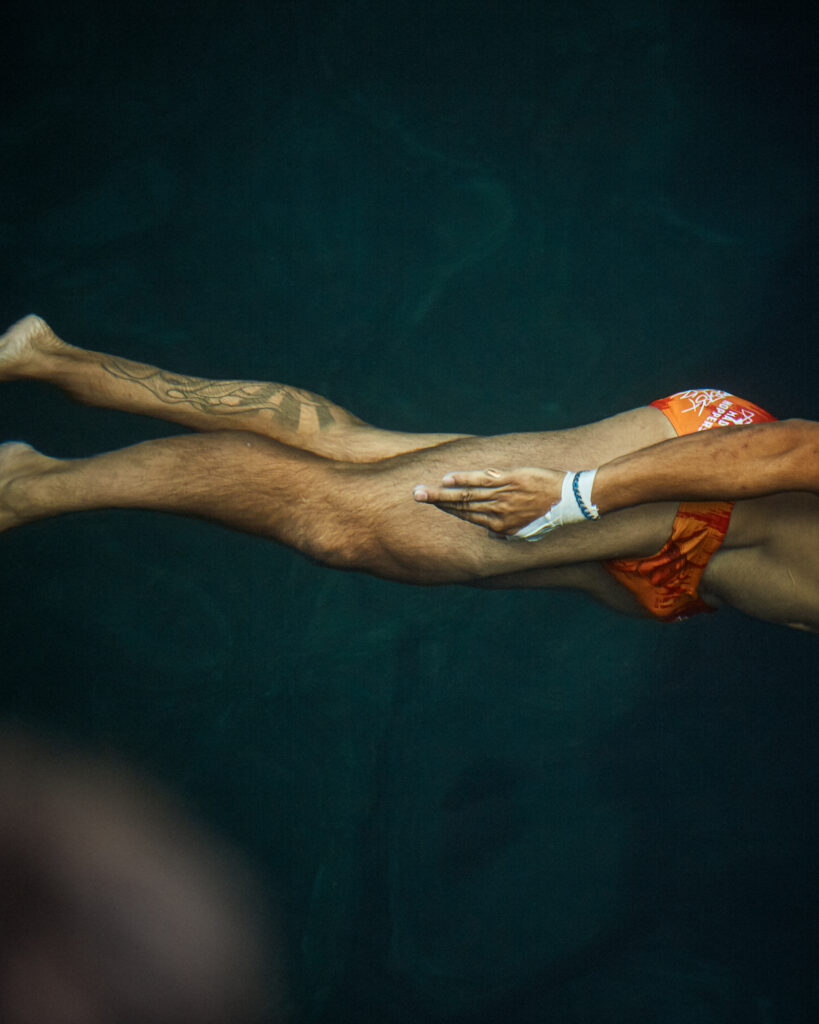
467, 504
459, 495
423, 492
474, 478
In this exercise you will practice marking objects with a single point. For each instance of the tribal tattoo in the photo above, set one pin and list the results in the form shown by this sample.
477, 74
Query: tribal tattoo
286, 404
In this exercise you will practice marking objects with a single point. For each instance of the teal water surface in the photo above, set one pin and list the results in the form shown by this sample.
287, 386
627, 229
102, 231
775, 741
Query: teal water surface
471, 807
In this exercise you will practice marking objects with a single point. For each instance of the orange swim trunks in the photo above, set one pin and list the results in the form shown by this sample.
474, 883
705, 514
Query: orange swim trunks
667, 583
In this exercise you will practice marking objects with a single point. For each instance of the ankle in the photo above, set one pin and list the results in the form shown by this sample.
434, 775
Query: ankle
60, 365
48, 358
24, 483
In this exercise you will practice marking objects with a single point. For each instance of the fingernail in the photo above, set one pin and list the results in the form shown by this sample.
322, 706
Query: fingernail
448, 480
420, 493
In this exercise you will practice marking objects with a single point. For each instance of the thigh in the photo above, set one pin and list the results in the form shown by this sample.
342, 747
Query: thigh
581, 447
363, 443
604, 440
418, 543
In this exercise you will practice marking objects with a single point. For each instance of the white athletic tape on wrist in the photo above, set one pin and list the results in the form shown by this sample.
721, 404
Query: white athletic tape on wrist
575, 506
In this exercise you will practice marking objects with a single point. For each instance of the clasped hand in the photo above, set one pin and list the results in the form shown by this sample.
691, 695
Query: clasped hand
503, 501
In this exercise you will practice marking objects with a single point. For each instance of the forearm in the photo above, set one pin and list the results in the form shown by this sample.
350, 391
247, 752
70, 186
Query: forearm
724, 464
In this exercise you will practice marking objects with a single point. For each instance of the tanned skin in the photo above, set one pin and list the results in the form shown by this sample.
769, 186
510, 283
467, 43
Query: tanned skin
291, 466
730, 464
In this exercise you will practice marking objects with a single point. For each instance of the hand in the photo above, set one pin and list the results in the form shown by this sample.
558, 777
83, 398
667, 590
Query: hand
501, 500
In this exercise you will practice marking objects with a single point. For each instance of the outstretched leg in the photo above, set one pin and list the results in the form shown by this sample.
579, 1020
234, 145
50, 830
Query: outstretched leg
345, 515
30, 349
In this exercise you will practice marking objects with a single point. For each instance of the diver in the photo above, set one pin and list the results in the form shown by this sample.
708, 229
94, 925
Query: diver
649, 522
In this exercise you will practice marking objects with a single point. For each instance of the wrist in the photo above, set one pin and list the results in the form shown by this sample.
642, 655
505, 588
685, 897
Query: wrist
582, 485
574, 506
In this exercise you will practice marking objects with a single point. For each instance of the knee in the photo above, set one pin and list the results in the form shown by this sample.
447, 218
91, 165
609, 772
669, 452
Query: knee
341, 547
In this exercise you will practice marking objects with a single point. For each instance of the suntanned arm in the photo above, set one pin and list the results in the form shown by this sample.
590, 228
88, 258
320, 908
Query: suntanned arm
726, 464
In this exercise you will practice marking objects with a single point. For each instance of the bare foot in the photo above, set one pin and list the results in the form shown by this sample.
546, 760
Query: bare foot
19, 464
25, 348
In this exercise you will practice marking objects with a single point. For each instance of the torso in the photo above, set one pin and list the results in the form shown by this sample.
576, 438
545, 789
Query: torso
768, 565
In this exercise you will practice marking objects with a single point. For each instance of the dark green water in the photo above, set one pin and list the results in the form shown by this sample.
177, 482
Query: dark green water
447, 216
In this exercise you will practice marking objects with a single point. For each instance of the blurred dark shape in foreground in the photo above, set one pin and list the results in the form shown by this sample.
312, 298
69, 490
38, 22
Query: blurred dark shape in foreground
115, 906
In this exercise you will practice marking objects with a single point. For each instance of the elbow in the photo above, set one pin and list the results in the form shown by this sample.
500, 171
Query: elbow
802, 454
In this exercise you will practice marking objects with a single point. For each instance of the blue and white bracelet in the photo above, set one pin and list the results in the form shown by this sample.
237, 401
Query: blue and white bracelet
575, 506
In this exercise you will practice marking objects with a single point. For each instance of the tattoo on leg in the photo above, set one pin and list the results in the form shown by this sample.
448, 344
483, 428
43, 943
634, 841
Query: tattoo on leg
290, 407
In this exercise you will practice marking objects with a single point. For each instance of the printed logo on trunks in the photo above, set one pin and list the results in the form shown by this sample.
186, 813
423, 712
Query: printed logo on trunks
701, 400
737, 416
726, 413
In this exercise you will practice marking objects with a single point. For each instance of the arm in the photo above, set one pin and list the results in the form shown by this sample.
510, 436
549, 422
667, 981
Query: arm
728, 463
725, 464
